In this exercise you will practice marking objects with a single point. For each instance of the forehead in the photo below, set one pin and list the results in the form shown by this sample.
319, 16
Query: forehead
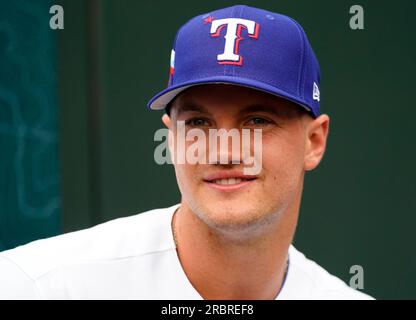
211, 97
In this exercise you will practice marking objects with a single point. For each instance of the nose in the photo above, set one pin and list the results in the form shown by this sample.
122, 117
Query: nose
225, 146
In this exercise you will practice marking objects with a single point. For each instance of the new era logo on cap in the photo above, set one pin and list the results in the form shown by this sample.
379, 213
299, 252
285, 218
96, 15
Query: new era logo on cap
245, 46
315, 93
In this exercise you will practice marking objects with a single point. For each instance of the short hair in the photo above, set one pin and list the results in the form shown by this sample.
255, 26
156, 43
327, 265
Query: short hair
168, 108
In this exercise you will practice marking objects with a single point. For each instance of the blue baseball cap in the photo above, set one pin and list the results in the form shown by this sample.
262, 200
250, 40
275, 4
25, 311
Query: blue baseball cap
244, 46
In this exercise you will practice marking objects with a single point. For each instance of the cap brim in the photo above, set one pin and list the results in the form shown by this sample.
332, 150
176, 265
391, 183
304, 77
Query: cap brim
162, 99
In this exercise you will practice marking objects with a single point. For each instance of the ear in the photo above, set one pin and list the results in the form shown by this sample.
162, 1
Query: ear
317, 133
167, 121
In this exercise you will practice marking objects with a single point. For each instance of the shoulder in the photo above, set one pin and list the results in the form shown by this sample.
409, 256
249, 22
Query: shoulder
308, 280
14, 282
136, 235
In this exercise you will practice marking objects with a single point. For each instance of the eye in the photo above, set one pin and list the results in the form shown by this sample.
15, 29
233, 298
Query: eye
258, 121
196, 122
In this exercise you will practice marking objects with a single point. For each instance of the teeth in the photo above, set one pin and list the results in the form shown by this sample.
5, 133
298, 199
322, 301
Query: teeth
228, 181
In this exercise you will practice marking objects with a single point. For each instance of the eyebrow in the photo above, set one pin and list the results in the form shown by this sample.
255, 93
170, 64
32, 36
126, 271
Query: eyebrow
266, 108
191, 107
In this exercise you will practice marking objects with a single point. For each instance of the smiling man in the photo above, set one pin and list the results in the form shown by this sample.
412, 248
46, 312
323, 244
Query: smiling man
235, 229
238, 68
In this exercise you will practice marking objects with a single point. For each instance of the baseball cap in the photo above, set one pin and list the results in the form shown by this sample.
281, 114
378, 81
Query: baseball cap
244, 46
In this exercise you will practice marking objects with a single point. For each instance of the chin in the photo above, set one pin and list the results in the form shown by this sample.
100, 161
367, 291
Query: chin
236, 218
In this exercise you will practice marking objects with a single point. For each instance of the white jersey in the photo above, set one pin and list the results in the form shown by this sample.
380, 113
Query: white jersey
133, 258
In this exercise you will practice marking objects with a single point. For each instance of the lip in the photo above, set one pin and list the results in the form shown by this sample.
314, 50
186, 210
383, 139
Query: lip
227, 175
209, 180
229, 187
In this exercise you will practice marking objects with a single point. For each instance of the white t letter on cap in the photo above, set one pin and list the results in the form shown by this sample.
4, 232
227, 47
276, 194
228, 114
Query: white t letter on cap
233, 37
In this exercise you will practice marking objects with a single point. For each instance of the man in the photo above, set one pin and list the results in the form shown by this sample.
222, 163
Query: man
238, 68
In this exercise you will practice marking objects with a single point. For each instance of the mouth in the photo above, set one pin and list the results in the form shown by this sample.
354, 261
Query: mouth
229, 183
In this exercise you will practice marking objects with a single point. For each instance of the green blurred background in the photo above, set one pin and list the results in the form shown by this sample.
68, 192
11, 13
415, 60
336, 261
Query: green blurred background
76, 140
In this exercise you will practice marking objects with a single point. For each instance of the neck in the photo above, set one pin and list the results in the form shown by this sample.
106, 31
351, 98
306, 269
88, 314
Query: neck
219, 267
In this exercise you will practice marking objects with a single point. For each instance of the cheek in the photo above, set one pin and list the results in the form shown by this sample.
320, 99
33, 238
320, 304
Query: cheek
186, 177
283, 158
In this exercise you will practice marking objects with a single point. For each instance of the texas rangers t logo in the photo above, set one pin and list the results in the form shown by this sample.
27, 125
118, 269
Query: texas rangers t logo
233, 37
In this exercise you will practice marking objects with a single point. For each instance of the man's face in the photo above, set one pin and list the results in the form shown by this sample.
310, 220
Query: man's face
242, 201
